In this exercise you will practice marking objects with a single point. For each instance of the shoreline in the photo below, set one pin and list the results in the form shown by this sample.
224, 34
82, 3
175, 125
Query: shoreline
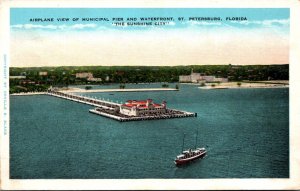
225, 85
28, 93
246, 85
252, 87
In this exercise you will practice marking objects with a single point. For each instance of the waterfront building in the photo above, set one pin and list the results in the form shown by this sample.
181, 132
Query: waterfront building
17, 77
208, 78
185, 78
195, 77
142, 107
84, 75
221, 79
43, 73
95, 79
23, 82
199, 78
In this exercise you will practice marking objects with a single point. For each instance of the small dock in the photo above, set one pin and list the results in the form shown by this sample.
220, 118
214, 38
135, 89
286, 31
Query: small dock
112, 110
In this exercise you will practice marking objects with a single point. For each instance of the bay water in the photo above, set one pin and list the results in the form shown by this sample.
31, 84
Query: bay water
246, 133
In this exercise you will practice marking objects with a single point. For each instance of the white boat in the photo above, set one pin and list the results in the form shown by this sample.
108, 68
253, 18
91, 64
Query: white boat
189, 155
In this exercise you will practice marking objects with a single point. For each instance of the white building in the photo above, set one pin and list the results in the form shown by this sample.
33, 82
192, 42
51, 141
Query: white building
95, 79
17, 77
221, 79
208, 78
43, 73
84, 75
185, 78
198, 78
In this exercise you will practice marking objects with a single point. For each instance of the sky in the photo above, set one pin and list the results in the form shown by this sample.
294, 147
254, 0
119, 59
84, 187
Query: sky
182, 39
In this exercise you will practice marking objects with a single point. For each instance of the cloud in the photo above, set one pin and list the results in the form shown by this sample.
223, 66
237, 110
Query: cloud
265, 23
203, 23
83, 26
149, 47
17, 26
54, 27
31, 26
270, 22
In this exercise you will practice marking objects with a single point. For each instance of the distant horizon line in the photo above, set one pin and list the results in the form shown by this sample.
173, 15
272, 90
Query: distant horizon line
146, 65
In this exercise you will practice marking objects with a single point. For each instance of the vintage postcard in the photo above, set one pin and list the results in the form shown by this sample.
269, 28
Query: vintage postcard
149, 95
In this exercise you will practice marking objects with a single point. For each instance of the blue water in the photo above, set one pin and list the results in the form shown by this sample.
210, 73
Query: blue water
246, 132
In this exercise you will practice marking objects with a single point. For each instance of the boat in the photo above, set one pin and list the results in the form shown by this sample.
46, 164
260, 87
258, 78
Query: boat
189, 155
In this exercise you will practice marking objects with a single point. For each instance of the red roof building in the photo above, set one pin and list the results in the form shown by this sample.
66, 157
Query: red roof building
142, 107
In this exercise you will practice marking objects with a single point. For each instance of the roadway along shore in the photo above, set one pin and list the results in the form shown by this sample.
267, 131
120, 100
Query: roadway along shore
78, 90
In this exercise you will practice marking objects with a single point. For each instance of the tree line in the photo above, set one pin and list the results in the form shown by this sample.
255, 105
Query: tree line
66, 75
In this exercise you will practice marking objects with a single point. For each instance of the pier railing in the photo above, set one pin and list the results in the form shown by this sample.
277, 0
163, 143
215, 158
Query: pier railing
85, 100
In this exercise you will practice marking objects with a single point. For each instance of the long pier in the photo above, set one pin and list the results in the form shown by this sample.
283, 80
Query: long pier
85, 100
111, 109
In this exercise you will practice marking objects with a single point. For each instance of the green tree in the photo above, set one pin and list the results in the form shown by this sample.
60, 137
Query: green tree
88, 87
165, 85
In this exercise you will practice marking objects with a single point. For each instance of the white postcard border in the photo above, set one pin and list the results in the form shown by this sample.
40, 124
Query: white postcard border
182, 184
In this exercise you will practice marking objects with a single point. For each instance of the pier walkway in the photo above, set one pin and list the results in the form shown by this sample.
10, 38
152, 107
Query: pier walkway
85, 100
112, 110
